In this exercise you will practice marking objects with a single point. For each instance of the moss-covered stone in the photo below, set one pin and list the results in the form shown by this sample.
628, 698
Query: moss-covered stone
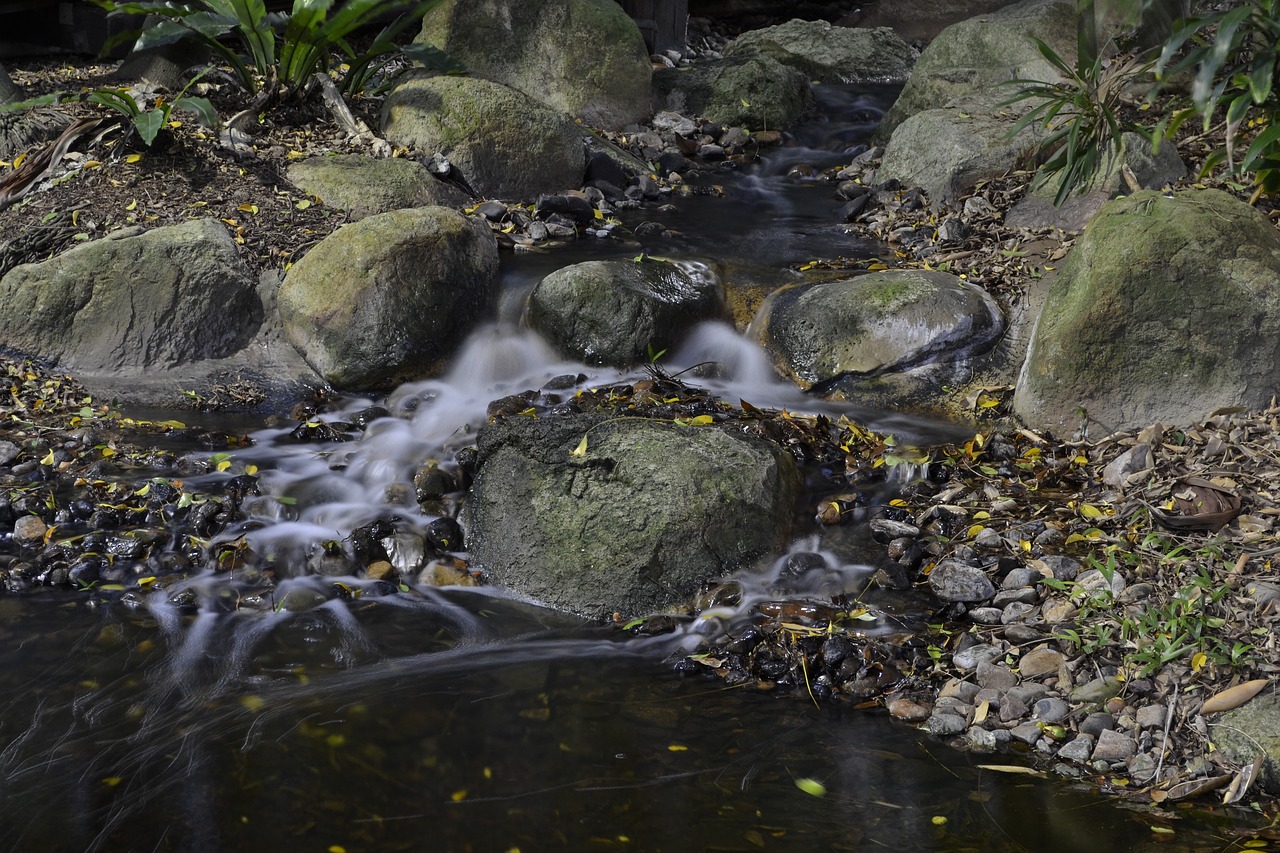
1168, 308
364, 186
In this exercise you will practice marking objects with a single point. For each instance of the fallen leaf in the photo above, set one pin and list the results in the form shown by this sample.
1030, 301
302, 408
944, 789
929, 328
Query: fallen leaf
1233, 697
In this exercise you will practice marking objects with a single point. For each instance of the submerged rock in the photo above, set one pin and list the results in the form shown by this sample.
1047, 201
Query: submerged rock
583, 57
1142, 326
385, 298
620, 313
598, 516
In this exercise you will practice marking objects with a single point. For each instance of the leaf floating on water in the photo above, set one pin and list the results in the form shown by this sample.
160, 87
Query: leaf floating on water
1195, 787
938, 820
112, 781
1233, 697
581, 450
677, 747
812, 787
1014, 769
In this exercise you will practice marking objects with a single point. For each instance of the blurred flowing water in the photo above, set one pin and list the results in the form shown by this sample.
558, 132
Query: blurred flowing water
457, 719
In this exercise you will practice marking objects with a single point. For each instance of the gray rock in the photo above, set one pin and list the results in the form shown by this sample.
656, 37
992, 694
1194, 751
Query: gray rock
1139, 328
503, 143
1097, 691
133, 302
364, 186
634, 524
983, 52
1009, 596
1078, 749
1142, 767
384, 299
583, 57
1114, 746
752, 90
619, 312
1040, 662
978, 739
8, 452
1028, 733
831, 54
874, 324
995, 676
944, 724
951, 580
1011, 709
1131, 464
965, 691
969, 658
1016, 612
985, 615
918, 20
1097, 722
1021, 577
1063, 568
1051, 710
1252, 728
29, 529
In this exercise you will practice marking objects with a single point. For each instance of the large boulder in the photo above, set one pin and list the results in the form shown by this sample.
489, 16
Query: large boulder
751, 89
979, 54
364, 186
504, 143
1253, 728
1167, 308
583, 57
598, 516
919, 20
134, 302
831, 54
948, 150
874, 324
620, 312
384, 299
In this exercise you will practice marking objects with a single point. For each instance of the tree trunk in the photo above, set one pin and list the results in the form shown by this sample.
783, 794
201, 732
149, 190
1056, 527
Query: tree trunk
663, 23
8, 91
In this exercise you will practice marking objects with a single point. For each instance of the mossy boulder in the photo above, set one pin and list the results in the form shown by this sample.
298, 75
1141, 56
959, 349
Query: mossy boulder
632, 520
505, 144
364, 186
831, 54
879, 323
583, 57
1167, 308
385, 299
753, 89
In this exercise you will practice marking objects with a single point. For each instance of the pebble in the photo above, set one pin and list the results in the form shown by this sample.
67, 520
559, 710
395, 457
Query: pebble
952, 580
956, 688
1051, 710
1151, 716
1016, 612
1012, 709
8, 452
1028, 693
1020, 632
1057, 610
909, 711
885, 530
1078, 749
1041, 661
945, 724
996, 675
986, 615
1097, 722
968, 659
978, 739
1114, 746
28, 529
1063, 568
1142, 767
1025, 595
1097, 691
1028, 733
988, 540
1020, 577
1093, 582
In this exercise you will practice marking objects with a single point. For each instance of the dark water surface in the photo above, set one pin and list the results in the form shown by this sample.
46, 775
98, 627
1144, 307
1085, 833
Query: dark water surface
198, 719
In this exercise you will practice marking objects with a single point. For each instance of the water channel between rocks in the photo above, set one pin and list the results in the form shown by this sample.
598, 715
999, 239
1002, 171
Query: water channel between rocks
459, 719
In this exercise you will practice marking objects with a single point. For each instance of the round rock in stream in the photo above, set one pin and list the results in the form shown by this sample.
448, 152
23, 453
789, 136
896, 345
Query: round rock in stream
598, 516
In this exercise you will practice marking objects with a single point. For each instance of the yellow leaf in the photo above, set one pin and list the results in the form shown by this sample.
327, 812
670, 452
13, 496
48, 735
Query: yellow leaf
19, 160
295, 155
175, 123
1091, 511
598, 213
224, 465
974, 531
938, 820
251, 469
132, 158
702, 420
302, 204
133, 205
48, 459
112, 781
677, 747
980, 713
248, 208
877, 267
458, 796
812, 787
91, 164
1198, 660
581, 450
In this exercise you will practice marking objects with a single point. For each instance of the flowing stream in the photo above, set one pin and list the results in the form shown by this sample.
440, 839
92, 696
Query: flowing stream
454, 719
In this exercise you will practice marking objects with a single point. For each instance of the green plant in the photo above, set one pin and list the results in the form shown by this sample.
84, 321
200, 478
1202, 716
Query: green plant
1082, 115
278, 52
1235, 55
148, 122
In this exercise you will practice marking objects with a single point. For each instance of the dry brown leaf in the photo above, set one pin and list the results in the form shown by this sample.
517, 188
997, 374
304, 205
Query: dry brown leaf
1194, 787
1233, 697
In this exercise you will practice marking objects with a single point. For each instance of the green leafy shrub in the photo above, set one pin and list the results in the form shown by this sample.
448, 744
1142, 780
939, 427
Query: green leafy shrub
275, 54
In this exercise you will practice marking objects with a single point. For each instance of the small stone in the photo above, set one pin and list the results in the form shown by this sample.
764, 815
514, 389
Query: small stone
985, 615
380, 570
1097, 722
1137, 592
965, 691
952, 705
968, 659
1011, 708
996, 675
988, 540
1028, 692
1078, 749
885, 530
1015, 612
1093, 582
993, 696
494, 211
1051, 710
1152, 716
1041, 661
1063, 568
1097, 691
909, 711
8, 452
1128, 466
1021, 577
978, 739
1142, 767
952, 580
1022, 633
1114, 746
29, 529
945, 725
952, 231
1057, 610
1028, 733
538, 231
1024, 595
